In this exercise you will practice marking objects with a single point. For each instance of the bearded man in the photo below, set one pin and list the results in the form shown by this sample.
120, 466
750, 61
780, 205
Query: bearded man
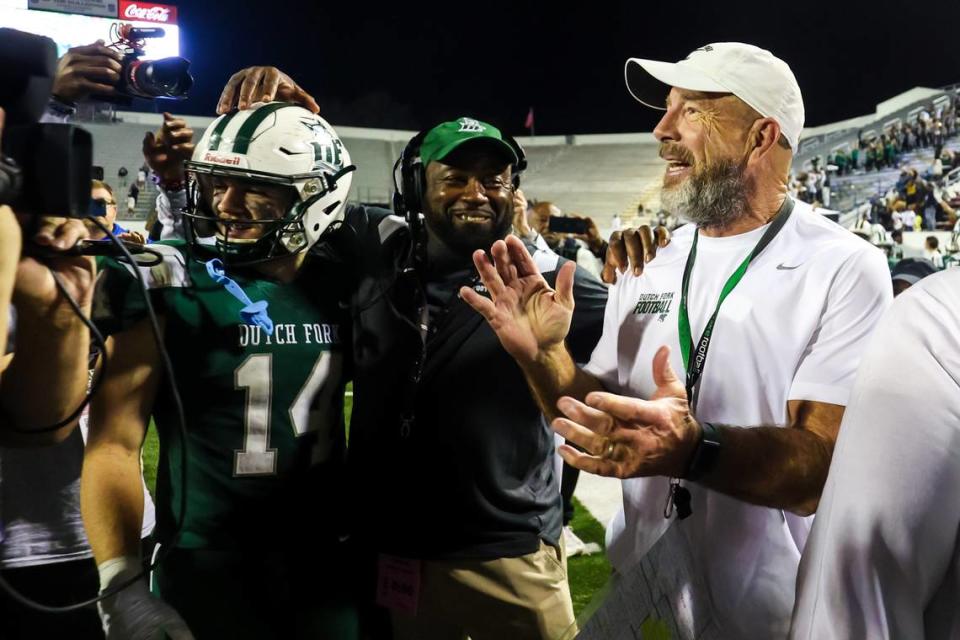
780, 299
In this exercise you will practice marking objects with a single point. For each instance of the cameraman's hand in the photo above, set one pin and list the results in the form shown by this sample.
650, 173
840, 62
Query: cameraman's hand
262, 84
168, 149
93, 68
36, 292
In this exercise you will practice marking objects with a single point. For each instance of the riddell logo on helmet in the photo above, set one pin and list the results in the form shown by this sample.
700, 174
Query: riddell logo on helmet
147, 12
219, 159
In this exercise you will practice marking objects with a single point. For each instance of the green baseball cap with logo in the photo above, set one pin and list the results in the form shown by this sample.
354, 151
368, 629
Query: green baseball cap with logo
447, 136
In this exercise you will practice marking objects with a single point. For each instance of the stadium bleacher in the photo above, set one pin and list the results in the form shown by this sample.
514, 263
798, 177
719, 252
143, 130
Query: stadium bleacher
592, 175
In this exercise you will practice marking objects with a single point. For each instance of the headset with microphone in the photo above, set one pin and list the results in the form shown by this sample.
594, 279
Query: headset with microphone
409, 184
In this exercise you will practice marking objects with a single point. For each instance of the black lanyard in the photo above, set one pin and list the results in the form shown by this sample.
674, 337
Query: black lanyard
695, 368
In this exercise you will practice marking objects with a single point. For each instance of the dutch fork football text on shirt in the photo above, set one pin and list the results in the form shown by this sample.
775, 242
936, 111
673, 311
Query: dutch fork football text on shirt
305, 333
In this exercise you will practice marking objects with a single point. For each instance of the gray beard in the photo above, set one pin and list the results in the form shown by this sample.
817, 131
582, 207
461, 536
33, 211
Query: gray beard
714, 197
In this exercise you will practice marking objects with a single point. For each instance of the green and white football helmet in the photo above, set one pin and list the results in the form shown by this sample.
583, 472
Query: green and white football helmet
275, 143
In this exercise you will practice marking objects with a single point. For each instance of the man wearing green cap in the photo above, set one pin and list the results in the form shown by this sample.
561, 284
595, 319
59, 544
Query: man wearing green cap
455, 484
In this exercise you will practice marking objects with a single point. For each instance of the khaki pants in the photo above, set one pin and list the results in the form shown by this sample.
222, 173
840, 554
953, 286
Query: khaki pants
503, 599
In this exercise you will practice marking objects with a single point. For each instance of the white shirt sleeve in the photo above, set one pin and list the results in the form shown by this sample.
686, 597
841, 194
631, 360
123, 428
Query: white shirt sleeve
168, 213
604, 359
858, 296
881, 561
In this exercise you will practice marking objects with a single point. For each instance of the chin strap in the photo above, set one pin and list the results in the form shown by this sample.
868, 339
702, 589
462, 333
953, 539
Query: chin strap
252, 312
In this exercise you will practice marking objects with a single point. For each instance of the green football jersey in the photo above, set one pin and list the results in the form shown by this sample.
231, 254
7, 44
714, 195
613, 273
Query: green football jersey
264, 412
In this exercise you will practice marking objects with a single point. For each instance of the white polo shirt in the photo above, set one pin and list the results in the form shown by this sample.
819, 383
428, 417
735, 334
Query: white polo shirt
883, 559
793, 329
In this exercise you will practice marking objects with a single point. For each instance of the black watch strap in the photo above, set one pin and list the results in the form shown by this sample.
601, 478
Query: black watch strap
705, 456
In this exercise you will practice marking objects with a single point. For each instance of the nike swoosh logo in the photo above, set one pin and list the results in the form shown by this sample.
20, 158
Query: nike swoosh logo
783, 267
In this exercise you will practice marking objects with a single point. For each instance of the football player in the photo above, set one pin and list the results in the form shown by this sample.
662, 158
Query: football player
252, 320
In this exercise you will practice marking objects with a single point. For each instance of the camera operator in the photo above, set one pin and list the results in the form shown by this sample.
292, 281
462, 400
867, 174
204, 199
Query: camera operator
47, 385
82, 72
46, 298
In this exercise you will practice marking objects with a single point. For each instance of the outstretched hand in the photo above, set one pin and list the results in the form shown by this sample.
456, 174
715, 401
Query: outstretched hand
626, 437
528, 316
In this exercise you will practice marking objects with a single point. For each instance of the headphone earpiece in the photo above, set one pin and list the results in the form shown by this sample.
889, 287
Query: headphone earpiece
409, 175
408, 179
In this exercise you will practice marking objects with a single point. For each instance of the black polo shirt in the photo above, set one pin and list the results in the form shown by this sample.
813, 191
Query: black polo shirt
472, 475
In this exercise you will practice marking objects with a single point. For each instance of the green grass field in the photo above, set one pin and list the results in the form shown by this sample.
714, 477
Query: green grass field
587, 574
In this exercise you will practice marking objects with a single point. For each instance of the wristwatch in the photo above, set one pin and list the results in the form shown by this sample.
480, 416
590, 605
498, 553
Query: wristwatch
705, 455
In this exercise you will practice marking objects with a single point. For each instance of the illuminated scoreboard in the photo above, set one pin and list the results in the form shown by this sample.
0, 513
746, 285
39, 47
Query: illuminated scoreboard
72, 23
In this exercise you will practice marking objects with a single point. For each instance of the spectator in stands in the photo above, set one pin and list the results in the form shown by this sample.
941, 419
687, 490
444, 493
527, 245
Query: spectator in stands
863, 222
615, 222
793, 185
841, 160
947, 159
889, 153
899, 219
954, 245
913, 190
142, 177
133, 194
936, 171
923, 132
813, 178
931, 208
122, 177
937, 138
639, 218
931, 251
911, 140
896, 250
854, 158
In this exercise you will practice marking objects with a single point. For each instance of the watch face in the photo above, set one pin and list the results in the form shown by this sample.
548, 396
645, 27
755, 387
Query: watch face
707, 451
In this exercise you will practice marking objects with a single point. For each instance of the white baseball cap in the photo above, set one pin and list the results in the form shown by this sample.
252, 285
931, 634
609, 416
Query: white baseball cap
756, 76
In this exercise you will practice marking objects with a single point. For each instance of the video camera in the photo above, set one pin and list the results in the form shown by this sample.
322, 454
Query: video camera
44, 167
164, 78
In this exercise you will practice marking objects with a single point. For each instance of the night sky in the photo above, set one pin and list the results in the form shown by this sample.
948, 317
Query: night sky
409, 65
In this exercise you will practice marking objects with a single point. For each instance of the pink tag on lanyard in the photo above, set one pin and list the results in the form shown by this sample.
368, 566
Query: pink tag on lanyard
398, 584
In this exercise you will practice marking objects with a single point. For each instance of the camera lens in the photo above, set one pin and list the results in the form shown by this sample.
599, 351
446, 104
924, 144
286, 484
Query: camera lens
166, 78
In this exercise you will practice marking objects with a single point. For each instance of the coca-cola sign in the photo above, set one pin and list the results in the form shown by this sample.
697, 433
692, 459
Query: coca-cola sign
148, 12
